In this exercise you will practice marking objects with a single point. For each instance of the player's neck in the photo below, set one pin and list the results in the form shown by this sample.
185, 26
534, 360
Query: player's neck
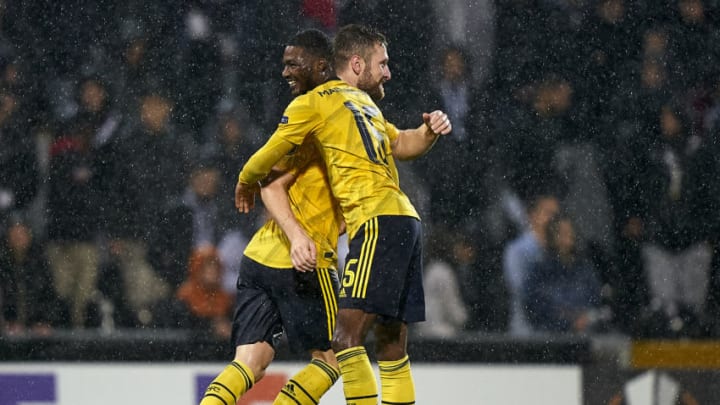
348, 78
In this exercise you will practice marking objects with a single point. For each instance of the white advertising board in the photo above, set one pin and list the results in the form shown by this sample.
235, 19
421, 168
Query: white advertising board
184, 383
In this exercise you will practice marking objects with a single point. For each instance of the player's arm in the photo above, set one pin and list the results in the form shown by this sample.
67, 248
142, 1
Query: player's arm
274, 194
257, 168
413, 143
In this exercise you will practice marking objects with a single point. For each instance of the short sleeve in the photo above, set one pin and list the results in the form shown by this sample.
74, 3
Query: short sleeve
391, 130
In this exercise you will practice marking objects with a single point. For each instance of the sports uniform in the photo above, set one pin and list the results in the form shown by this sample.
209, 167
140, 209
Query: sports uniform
271, 296
271, 293
383, 268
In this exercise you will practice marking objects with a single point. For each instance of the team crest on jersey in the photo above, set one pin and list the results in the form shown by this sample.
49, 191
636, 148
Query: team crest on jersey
284, 119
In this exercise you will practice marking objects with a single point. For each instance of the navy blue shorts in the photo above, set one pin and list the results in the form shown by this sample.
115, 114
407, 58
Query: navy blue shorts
274, 301
383, 270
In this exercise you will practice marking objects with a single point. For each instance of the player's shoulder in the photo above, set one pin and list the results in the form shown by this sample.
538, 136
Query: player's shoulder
301, 106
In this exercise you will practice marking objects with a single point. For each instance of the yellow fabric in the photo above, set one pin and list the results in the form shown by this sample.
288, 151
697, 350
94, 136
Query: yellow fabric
229, 385
314, 208
262, 161
396, 381
308, 385
359, 383
354, 141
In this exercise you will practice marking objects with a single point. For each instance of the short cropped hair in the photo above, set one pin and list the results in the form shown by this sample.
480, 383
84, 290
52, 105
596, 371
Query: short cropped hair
314, 42
355, 39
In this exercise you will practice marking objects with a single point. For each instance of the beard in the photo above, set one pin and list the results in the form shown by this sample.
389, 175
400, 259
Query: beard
374, 88
299, 87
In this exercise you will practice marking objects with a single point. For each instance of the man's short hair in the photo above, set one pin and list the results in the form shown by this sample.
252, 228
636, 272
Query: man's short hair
314, 42
355, 39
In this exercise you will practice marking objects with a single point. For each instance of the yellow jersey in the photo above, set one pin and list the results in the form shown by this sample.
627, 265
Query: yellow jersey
354, 140
314, 208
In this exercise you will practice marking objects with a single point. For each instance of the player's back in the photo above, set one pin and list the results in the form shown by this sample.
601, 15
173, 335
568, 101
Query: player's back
314, 208
354, 140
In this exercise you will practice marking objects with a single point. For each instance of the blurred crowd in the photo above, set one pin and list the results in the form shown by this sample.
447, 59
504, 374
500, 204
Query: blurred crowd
577, 194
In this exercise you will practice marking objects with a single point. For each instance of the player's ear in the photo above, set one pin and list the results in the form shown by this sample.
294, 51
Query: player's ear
357, 64
321, 65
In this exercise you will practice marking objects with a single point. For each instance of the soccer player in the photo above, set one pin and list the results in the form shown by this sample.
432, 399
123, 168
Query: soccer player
302, 235
381, 286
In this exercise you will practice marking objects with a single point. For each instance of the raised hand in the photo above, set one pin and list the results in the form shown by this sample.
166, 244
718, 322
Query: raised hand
438, 122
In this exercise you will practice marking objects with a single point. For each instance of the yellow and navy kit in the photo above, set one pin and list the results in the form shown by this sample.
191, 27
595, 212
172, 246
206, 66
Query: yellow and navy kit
354, 140
314, 208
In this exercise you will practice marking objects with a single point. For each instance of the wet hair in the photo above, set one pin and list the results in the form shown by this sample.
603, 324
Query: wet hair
355, 39
314, 42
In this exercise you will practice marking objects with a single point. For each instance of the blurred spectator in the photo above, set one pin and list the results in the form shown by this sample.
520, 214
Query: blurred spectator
457, 162
28, 301
642, 87
693, 42
629, 292
595, 161
199, 85
680, 190
543, 116
612, 45
562, 292
160, 153
446, 312
521, 256
230, 249
231, 139
97, 110
9, 68
201, 304
133, 74
260, 88
148, 154
321, 13
467, 24
123, 269
72, 212
201, 199
708, 103
159, 25
455, 90
503, 219
585, 200
654, 82
19, 172
192, 220
535, 38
